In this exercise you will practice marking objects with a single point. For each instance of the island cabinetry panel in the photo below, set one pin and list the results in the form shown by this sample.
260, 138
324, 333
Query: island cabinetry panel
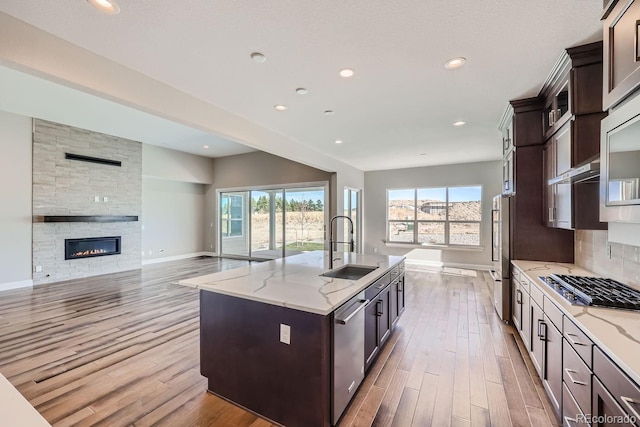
377, 325
245, 362
621, 52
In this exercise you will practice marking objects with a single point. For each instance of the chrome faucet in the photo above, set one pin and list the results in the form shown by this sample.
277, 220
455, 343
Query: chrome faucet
352, 244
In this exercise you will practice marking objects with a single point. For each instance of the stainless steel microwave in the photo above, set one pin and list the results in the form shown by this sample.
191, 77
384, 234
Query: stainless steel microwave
620, 164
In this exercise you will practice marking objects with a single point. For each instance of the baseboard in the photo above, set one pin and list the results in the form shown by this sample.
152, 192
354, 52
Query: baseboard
448, 264
176, 257
16, 285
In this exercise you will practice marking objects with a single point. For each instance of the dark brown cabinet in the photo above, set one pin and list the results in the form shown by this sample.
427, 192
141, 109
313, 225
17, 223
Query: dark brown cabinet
571, 127
386, 304
551, 363
621, 51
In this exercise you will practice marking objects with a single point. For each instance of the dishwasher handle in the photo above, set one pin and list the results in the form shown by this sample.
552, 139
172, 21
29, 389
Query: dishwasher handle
344, 320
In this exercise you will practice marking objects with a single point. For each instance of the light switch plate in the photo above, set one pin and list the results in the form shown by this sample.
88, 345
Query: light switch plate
105, 199
96, 199
285, 333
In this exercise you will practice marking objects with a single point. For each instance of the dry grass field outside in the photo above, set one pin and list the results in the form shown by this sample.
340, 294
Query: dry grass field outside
402, 211
304, 230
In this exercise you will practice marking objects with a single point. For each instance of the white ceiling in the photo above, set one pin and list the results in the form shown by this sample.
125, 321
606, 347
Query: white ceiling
395, 112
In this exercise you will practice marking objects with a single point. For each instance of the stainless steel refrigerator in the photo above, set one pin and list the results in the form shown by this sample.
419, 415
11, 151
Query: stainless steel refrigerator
500, 257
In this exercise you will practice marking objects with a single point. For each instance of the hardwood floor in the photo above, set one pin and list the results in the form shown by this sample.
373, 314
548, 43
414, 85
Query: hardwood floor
123, 349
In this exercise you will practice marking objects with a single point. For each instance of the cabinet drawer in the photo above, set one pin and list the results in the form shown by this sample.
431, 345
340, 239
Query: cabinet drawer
577, 377
517, 275
553, 313
571, 412
377, 287
536, 294
623, 390
579, 341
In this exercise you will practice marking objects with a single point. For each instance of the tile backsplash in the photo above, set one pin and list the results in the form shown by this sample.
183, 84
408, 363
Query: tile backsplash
591, 252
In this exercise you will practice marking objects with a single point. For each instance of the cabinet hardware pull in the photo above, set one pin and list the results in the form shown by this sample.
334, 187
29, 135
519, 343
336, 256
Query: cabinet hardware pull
379, 308
518, 296
559, 111
569, 335
570, 421
543, 334
539, 327
628, 402
569, 371
551, 118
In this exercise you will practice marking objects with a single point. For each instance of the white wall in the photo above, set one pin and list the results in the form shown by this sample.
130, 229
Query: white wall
158, 162
172, 218
486, 174
15, 193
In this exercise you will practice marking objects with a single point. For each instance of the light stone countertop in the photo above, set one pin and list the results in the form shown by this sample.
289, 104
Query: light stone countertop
615, 331
295, 281
15, 410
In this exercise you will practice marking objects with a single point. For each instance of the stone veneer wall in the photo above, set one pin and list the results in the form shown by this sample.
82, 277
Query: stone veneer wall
591, 253
68, 187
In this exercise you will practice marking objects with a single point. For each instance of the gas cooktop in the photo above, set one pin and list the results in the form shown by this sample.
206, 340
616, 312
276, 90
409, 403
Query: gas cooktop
596, 291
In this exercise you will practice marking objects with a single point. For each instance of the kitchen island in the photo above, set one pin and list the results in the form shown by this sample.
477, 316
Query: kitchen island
267, 330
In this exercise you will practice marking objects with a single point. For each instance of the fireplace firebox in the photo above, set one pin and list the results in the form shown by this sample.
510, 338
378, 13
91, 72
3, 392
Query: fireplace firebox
91, 247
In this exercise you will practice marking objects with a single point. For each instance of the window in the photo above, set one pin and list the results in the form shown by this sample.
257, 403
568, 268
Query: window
231, 214
435, 216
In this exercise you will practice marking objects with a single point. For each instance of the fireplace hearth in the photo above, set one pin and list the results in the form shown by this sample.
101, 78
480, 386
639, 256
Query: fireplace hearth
91, 247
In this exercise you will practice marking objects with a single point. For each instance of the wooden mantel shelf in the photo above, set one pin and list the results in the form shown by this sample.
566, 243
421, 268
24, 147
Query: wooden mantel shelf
85, 218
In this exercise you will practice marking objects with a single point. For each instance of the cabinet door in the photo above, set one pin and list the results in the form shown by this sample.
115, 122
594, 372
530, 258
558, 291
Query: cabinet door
537, 341
508, 183
393, 302
606, 409
621, 52
549, 160
526, 320
516, 305
400, 294
371, 342
384, 315
552, 361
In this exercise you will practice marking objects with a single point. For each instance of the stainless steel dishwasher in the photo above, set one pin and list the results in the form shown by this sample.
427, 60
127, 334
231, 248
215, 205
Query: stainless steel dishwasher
348, 353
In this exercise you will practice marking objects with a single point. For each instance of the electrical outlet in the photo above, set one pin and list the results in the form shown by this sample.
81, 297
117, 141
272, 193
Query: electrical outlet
105, 199
38, 269
96, 199
608, 251
285, 334
375, 250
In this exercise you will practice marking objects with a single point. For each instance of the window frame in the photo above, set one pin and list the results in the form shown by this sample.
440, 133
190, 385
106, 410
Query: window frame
230, 219
447, 222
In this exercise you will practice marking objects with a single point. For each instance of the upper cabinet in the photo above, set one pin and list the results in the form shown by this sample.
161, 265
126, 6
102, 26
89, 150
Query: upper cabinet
571, 131
508, 178
621, 51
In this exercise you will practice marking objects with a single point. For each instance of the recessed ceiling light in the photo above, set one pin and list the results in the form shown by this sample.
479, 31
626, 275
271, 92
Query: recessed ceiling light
346, 72
459, 123
328, 112
455, 63
258, 57
280, 107
301, 91
205, 146
337, 141
106, 6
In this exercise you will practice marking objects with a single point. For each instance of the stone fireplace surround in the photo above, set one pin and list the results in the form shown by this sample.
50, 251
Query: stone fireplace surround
69, 187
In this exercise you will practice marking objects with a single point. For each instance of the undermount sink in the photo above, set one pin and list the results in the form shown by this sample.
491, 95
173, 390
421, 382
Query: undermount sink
349, 272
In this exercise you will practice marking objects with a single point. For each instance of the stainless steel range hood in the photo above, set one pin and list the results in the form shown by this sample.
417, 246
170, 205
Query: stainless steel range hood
587, 171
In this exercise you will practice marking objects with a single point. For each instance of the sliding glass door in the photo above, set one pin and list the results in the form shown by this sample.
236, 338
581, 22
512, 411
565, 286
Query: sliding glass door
271, 223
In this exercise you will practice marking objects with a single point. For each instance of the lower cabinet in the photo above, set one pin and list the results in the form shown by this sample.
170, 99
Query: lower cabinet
552, 364
606, 408
537, 342
381, 313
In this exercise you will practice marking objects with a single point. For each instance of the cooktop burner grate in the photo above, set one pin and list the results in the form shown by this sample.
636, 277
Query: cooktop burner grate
600, 291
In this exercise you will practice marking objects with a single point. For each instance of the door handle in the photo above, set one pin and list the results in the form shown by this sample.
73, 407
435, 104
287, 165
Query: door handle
628, 402
361, 305
379, 308
569, 371
573, 342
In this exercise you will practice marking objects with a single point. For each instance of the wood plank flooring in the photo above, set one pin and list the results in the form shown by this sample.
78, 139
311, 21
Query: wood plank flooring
123, 349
